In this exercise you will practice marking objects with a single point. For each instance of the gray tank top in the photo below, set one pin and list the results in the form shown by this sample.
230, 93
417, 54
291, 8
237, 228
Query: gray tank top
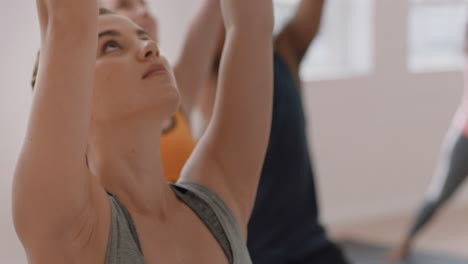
124, 246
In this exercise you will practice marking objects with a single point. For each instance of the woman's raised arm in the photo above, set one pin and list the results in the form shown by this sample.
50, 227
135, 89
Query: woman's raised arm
232, 150
198, 52
52, 183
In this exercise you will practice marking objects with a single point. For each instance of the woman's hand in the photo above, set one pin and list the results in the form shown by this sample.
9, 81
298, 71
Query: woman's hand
248, 15
81, 14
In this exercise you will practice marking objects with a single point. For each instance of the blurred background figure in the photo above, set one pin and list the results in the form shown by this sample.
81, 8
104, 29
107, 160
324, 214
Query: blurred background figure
285, 224
451, 172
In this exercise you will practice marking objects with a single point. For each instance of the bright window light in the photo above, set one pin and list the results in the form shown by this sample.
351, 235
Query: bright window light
344, 46
436, 34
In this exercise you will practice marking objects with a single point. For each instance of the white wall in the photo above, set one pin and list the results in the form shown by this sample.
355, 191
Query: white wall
19, 42
375, 138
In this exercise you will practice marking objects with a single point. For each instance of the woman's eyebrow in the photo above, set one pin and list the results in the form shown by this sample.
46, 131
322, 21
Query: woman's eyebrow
115, 33
142, 33
112, 33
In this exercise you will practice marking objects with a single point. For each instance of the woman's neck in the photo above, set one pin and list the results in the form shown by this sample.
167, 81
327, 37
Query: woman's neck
125, 156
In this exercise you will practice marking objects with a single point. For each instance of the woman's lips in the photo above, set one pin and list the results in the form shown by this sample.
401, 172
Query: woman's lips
155, 69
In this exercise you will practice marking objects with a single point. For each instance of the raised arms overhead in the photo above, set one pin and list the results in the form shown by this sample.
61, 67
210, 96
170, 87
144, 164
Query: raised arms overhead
198, 51
51, 171
229, 156
295, 38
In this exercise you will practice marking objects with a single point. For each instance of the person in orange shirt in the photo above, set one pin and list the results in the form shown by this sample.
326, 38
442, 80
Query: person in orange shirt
199, 48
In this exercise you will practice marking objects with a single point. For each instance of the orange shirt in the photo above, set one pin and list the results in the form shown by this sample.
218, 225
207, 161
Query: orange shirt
176, 146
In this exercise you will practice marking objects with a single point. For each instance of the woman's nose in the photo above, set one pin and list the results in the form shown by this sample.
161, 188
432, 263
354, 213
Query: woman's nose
142, 11
149, 49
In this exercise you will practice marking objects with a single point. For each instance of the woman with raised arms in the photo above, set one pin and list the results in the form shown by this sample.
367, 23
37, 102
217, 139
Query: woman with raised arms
89, 185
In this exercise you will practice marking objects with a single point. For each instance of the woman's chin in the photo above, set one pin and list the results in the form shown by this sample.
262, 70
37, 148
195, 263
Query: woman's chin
170, 103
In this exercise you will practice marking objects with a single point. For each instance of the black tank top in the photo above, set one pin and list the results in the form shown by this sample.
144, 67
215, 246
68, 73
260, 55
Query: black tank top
284, 223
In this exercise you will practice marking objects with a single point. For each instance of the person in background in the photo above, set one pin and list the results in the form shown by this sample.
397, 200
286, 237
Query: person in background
191, 69
285, 224
451, 172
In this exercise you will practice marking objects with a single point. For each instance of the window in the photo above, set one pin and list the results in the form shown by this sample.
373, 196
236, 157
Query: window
436, 34
344, 46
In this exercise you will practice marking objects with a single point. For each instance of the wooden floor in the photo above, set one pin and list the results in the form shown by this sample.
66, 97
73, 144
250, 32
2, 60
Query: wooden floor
446, 234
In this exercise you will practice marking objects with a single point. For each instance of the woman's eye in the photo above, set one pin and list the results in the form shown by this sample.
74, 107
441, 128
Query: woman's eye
110, 47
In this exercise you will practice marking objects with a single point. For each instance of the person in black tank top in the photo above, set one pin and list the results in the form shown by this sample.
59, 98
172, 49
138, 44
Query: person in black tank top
284, 226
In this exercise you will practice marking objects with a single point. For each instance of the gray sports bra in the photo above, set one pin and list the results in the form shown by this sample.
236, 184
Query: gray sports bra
124, 245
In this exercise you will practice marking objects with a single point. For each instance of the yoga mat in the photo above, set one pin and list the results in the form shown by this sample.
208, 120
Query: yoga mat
364, 253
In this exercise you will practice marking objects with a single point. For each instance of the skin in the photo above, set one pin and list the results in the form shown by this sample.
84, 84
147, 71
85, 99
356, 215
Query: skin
110, 114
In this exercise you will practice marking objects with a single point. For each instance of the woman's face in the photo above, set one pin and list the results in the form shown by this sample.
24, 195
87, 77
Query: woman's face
136, 10
130, 75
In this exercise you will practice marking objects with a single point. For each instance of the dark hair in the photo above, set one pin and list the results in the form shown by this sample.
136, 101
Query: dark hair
102, 11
